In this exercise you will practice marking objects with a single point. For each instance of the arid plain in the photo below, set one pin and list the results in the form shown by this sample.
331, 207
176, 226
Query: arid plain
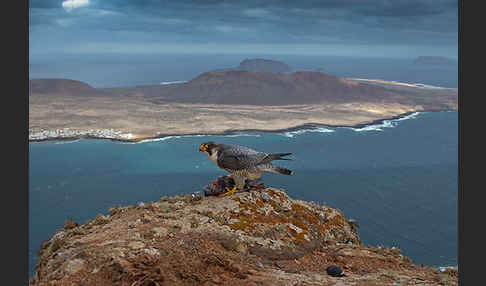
139, 113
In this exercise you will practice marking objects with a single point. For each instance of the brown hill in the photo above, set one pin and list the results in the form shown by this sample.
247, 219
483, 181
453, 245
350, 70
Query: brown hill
260, 237
263, 88
236, 87
60, 86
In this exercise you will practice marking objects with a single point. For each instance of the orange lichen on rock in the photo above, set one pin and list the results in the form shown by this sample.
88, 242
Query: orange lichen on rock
258, 215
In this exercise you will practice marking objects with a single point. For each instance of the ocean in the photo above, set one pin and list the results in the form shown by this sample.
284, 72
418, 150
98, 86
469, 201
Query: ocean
121, 70
397, 179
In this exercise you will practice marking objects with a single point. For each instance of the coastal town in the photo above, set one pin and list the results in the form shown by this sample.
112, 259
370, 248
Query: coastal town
67, 133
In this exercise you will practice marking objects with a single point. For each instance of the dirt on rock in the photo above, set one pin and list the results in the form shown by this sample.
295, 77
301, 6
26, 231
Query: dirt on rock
260, 237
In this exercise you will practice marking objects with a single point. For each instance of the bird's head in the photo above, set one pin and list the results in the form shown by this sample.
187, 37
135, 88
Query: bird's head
208, 147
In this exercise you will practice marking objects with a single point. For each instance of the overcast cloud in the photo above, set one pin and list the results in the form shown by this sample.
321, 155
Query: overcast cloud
341, 27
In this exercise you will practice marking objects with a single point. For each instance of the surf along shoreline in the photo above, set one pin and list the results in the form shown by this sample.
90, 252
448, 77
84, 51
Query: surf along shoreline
306, 126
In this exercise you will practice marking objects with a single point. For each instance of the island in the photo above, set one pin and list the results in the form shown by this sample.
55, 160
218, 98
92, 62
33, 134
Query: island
257, 237
222, 102
434, 60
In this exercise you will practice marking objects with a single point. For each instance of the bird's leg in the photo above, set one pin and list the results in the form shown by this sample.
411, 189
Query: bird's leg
239, 182
239, 185
230, 176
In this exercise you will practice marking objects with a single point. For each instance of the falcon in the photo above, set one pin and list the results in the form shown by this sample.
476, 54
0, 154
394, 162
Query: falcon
243, 163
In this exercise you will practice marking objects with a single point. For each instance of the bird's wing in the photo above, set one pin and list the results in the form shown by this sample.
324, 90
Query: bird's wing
239, 157
231, 162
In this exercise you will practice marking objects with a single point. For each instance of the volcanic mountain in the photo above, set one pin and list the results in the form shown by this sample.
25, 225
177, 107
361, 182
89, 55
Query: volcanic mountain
60, 86
264, 65
264, 88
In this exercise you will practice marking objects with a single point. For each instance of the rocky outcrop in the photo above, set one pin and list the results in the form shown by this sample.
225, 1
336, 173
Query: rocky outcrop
264, 65
260, 237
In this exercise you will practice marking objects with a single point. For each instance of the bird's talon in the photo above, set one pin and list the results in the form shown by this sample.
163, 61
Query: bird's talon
229, 192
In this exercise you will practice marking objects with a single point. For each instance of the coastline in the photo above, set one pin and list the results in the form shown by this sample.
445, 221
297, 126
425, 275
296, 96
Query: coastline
137, 118
229, 132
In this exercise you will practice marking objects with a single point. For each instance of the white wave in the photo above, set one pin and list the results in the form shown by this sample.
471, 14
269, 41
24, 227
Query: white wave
147, 140
427, 85
66, 142
192, 135
173, 82
292, 134
444, 268
158, 139
410, 116
372, 128
242, 135
167, 138
386, 123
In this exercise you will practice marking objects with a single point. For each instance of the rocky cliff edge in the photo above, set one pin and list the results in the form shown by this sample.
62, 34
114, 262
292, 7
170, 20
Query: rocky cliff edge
261, 237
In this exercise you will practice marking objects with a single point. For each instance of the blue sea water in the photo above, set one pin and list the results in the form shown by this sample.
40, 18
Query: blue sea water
398, 180
115, 70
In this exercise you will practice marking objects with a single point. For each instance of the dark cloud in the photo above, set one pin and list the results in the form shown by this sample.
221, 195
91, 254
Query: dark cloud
311, 22
45, 4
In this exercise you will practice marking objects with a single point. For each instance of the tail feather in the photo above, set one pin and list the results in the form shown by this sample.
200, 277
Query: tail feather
276, 156
271, 168
284, 171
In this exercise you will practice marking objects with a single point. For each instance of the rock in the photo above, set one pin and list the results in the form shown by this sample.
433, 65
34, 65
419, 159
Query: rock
73, 266
179, 204
354, 225
146, 218
136, 245
335, 271
151, 251
101, 219
197, 196
160, 231
216, 279
61, 255
295, 228
70, 224
241, 248
266, 197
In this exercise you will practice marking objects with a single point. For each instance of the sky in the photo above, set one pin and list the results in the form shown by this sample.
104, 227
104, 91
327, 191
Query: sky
373, 28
